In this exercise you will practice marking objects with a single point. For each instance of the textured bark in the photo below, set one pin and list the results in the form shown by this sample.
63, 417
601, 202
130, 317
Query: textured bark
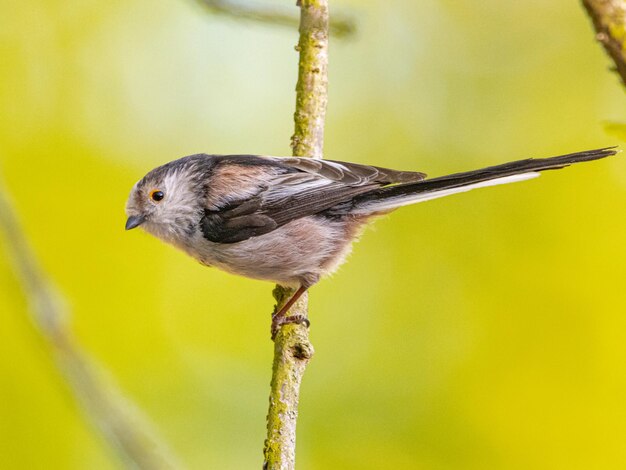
312, 86
609, 21
292, 349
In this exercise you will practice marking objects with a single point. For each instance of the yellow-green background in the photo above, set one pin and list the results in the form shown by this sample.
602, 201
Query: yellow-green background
482, 331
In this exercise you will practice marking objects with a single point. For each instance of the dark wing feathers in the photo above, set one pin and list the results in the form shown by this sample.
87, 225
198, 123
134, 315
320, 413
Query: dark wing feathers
306, 203
220, 229
298, 187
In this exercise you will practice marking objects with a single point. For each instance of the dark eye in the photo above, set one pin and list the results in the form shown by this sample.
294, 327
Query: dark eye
156, 195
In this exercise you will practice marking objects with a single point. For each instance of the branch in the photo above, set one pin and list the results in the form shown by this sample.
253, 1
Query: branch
292, 349
339, 26
312, 86
115, 416
609, 21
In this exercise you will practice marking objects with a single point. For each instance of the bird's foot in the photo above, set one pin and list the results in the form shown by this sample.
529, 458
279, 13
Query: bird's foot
280, 320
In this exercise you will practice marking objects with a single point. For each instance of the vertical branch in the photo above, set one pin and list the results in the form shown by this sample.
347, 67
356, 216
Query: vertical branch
609, 21
292, 349
118, 420
312, 86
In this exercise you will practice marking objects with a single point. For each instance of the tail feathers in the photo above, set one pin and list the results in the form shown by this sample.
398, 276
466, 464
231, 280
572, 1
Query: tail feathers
391, 197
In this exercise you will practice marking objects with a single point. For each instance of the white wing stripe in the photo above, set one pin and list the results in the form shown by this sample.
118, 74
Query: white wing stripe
400, 201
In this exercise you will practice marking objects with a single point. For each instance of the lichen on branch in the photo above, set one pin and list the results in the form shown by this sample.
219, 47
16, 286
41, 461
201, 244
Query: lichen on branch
292, 351
312, 86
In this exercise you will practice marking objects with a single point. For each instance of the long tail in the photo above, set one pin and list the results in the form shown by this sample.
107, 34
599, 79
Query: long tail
391, 197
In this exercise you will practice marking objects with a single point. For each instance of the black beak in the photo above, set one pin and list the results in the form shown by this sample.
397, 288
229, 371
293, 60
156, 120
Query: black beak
135, 221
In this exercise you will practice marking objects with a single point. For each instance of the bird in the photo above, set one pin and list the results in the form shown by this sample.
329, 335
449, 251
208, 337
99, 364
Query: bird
292, 220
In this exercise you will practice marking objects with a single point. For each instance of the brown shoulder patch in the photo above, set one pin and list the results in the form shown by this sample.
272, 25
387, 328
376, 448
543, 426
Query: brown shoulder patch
231, 182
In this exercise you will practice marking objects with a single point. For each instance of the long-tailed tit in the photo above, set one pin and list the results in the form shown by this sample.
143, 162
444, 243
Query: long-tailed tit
292, 220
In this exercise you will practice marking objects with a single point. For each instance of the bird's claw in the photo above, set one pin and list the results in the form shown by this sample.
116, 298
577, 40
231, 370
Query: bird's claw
280, 320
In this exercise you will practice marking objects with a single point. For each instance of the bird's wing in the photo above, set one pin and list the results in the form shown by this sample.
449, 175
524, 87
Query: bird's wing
350, 173
252, 196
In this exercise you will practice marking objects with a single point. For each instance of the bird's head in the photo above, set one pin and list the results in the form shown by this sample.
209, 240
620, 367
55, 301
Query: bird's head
168, 201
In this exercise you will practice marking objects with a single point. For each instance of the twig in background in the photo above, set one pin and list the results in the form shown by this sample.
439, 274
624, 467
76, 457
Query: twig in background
119, 421
340, 26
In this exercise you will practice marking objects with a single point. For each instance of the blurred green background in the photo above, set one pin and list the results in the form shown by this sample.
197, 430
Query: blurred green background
481, 331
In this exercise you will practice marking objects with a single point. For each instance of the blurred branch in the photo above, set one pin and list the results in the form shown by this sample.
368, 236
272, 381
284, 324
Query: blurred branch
292, 349
340, 26
609, 21
118, 420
